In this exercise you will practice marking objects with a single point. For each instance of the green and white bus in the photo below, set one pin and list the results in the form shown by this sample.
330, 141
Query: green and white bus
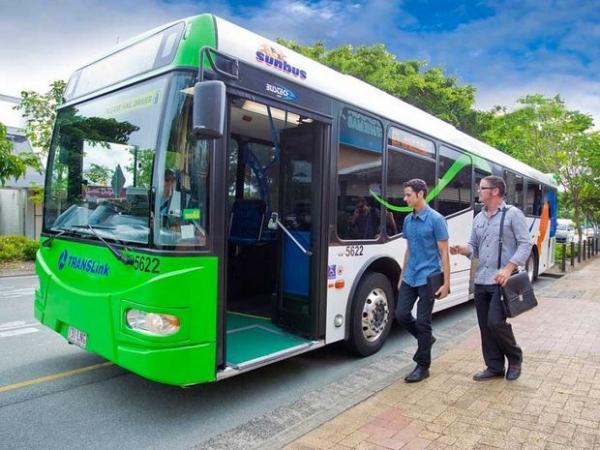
203, 220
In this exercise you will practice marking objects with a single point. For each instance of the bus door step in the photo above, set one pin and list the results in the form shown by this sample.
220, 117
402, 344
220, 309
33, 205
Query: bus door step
235, 369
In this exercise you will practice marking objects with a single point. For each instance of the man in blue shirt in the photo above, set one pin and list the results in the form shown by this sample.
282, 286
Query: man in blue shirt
426, 233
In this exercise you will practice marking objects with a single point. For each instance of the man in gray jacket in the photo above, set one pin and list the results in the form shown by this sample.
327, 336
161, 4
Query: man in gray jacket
497, 338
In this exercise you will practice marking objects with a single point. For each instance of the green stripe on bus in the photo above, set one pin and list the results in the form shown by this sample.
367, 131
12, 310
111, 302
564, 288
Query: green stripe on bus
454, 169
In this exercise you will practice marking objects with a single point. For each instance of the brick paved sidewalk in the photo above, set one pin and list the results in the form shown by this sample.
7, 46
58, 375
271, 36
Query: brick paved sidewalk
554, 405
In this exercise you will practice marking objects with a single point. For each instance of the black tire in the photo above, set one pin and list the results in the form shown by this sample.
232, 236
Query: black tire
532, 266
373, 298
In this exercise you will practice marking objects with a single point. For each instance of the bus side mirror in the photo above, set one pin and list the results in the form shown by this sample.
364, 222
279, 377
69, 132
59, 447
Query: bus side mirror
209, 109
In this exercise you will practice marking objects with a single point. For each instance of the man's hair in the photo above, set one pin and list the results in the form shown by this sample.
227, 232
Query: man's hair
417, 185
170, 175
496, 182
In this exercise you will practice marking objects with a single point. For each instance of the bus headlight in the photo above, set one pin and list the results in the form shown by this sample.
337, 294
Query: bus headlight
155, 324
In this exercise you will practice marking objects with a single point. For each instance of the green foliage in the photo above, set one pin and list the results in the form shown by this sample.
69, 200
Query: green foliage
558, 252
12, 165
39, 111
543, 133
37, 193
565, 207
427, 89
590, 192
143, 160
13, 248
95, 130
99, 174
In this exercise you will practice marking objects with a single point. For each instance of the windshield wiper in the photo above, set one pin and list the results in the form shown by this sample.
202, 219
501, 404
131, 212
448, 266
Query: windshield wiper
48, 242
120, 256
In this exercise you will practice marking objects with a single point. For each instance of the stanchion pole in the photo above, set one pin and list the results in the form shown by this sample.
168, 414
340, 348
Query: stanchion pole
584, 250
572, 254
578, 252
563, 261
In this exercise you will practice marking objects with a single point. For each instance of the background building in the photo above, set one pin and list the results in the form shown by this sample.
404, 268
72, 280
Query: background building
18, 213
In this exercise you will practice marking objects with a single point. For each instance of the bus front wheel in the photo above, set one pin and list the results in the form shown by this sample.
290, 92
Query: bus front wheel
371, 315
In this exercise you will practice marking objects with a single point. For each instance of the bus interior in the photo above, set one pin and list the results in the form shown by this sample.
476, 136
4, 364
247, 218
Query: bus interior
272, 201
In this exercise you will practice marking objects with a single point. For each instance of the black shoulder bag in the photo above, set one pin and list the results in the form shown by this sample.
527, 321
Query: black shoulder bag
517, 295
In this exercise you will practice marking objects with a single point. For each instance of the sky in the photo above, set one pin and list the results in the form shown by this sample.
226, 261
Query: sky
506, 49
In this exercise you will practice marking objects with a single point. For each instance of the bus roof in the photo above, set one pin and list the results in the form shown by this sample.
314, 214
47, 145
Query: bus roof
244, 45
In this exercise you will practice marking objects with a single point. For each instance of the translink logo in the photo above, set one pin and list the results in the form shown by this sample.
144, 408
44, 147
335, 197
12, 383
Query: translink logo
87, 265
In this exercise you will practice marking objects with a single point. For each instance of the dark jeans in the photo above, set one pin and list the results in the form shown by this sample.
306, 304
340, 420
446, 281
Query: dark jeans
421, 327
497, 338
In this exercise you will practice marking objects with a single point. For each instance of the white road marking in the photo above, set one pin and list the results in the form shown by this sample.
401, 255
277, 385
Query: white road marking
17, 293
17, 324
18, 332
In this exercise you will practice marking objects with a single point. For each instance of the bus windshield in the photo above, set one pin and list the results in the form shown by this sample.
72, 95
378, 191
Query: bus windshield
100, 164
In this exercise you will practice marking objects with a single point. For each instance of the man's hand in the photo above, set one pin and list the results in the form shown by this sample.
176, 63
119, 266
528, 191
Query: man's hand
503, 275
442, 292
460, 250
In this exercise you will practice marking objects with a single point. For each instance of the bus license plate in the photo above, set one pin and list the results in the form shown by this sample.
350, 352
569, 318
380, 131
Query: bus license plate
77, 337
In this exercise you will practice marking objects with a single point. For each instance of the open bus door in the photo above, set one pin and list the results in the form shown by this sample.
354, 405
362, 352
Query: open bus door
299, 223
273, 239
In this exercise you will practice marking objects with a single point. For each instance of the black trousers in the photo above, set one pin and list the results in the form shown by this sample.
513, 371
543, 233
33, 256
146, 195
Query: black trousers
497, 338
421, 327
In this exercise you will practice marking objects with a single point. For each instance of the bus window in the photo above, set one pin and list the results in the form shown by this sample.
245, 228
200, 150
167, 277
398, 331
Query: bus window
533, 199
181, 216
519, 192
359, 176
455, 177
479, 175
409, 156
511, 183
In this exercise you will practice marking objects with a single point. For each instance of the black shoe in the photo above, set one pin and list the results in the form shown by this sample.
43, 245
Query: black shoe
513, 373
433, 339
418, 374
487, 374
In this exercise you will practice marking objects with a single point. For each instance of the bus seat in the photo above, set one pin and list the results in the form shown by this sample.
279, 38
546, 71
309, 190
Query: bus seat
246, 221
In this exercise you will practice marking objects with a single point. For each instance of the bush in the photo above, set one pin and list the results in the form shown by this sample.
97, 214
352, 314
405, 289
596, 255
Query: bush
30, 249
13, 248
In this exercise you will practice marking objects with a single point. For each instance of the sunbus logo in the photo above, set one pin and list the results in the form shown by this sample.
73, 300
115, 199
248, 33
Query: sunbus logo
276, 58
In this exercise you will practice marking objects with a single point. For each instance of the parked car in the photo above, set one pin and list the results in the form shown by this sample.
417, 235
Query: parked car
590, 232
565, 231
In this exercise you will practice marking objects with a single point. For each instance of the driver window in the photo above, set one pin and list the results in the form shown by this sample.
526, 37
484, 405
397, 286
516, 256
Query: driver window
181, 216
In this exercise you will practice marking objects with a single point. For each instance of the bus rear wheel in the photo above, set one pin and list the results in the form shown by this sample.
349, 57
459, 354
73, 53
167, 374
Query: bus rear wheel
532, 266
371, 315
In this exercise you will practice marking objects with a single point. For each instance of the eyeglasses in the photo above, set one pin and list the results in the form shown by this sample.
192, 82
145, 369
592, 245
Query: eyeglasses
485, 188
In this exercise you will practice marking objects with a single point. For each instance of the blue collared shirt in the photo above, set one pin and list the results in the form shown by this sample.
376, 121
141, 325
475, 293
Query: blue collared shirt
422, 232
516, 244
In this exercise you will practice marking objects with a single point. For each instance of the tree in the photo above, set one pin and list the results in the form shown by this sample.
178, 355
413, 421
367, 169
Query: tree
99, 174
427, 89
13, 165
590, 193
544, 134
39, 111
141, 167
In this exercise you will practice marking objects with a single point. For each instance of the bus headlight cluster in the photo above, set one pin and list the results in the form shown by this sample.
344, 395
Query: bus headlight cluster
155, 324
